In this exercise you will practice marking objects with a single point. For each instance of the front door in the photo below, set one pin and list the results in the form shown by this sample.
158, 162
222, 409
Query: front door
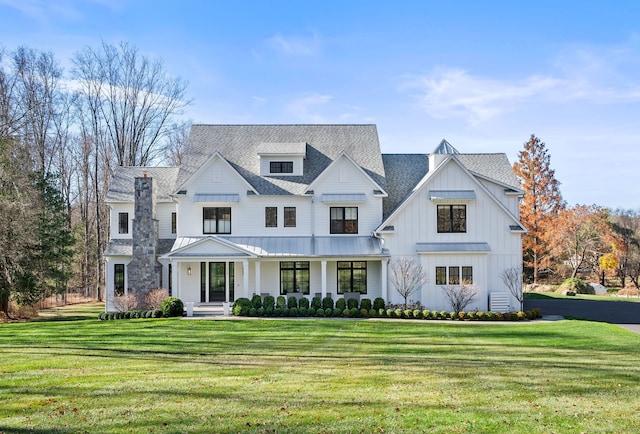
217, 279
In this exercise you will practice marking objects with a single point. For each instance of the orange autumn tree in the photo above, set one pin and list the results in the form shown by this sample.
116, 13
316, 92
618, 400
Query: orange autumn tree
581, 236
541, 204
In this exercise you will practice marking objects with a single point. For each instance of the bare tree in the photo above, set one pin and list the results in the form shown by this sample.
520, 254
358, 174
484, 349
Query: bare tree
512, 278
459, 296
407, 277
176, 143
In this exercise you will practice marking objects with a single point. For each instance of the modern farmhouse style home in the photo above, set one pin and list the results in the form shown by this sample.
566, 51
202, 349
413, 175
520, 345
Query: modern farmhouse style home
311, 210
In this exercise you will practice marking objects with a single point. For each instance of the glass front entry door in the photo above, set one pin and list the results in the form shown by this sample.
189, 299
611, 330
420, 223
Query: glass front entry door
213, 281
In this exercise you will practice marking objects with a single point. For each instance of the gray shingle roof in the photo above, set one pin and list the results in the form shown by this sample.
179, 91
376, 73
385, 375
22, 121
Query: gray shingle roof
493, 166
122, 184
240, 145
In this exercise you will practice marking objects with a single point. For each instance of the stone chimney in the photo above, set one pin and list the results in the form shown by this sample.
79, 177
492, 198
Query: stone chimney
144, 270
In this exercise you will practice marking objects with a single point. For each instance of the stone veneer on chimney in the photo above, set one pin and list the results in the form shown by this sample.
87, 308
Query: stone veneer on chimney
144, 270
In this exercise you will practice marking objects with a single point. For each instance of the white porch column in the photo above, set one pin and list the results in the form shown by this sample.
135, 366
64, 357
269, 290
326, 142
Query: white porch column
323, 264
245, 277
257, 264
383, 277
226, 281
175, 270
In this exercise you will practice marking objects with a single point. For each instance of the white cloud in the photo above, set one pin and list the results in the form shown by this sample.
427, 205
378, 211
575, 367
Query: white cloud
596, 75
295, 45
306, 108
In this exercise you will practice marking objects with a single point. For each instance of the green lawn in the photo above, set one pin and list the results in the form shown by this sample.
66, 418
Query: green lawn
175, 375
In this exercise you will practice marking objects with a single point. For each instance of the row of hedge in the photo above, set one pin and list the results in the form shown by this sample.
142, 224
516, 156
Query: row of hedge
171, 306
256, 307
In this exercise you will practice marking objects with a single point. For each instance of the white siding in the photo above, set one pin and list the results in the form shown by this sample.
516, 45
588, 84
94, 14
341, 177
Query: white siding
116, 209
163, 214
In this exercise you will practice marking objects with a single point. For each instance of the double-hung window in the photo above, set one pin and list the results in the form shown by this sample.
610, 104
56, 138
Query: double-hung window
452, 218
123, 223
271, 217
352, 276
216, 220
343, 220
289, 216
294, 277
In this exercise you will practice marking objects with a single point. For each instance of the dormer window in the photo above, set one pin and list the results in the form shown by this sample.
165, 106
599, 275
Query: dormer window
281, 167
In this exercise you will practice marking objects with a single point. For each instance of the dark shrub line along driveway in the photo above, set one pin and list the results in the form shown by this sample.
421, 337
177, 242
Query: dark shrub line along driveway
626, 315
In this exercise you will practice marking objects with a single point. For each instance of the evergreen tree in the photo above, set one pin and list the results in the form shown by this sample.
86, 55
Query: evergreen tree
541, 203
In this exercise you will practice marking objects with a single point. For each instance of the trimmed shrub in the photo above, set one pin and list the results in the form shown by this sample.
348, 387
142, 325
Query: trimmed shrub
328, 312
311, 311
303, 302
260, 311
293, 311
346, 313
364, 313
303, 311
382, 312
577, 286
407, 313
241, 307
284, 311
157, 313
373, 313
462, 315
277, 311
378, 303
537, 312
269, 302
337, 312
435, 314
452, 315
292, 302
281, 301
443, 314
426, 314
480, 315
352, 303
365, 303
253, 312
521, 316
398, 313
417, 313
341, 304
391, 313
172, 306
320, 313
316, 303
327, 303
256, 301
268, 311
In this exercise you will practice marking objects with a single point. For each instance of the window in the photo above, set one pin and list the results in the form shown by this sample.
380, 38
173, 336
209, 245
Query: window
170, 278
174, 222
352, 277
216, 220
452, 218
281, 167
441, 275
118, 279
344, 220
289, 216
123, 223
271, 217
294, 277
453, 278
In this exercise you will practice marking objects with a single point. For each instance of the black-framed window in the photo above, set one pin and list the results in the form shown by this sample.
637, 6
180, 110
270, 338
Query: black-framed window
343, 220
118, 279
453, 276
271, 217
123, 223
281, 167
294, 277
289, 216
441, 275
174, 222
216, 220
452, 218
170, 278
352, 276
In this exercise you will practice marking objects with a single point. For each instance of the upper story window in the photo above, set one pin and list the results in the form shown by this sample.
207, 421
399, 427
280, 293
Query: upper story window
174, 222
216, 220
271, 217
281, 167
343, 220
123, 223
452, 218
289, 216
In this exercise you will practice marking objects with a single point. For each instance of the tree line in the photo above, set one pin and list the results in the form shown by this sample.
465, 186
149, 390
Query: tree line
587, 241
62, 134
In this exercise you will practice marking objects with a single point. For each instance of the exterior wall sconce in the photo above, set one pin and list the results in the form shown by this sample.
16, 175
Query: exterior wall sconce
189, 271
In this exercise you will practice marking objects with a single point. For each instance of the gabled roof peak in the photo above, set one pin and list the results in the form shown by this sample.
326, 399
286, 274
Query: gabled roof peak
445, 148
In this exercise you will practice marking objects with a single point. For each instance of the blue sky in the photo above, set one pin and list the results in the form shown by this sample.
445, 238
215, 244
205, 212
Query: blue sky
484, 75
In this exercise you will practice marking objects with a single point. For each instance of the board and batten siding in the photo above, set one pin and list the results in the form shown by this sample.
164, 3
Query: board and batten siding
115, 210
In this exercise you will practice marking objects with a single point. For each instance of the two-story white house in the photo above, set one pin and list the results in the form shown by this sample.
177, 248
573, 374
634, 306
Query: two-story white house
310, 210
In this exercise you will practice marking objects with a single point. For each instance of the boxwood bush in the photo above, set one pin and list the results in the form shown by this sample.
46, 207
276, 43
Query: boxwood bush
327, 303
316, 303
341, 304
292, 302
241, 307
378, 303
172, 306
269, 302
352, 303
303, 302
281, 301
365, 303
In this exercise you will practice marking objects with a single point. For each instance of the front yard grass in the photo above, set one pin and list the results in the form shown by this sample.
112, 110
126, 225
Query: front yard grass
174, 375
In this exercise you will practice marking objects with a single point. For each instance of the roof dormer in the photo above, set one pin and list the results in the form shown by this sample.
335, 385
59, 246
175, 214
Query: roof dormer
282, 159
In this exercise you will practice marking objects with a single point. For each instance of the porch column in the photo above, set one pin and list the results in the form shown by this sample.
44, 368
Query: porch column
257, 264
323, 264
383, 277
226, 280
175, 271
245, 277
